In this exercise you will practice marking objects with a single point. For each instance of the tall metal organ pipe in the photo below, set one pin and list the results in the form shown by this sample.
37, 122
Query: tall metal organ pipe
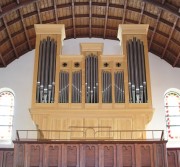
136, 71
91, 79
106, 87
46, 71
76, 87
119, 87
63, 87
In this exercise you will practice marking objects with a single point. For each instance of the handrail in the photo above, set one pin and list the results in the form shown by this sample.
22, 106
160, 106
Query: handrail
90, 133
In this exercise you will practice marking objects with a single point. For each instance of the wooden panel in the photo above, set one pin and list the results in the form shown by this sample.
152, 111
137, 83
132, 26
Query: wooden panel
35, 155
109, 156
75, 123
92, 154
72, 155
6, 157
146, 156
91, 158
127, 155
53, 152
173, 158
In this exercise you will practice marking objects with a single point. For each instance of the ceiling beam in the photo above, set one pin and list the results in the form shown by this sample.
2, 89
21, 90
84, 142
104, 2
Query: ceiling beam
164, 6
0, 8
4, 64
124, 11
142, 11
155, 27
25, 31
106, 17
163, 1
39, 13
14, 6
170, 35
73, 18
177, 59
90, 18
55, 11
11, 40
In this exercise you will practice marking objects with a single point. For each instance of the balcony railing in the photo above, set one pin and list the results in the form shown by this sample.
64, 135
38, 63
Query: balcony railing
90, 133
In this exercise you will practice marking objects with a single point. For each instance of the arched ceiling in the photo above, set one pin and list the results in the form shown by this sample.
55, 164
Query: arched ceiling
89, 18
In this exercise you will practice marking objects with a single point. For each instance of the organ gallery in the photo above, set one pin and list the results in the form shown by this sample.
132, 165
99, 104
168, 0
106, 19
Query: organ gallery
91, 95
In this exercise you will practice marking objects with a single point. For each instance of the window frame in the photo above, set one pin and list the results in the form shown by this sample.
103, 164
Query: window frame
10, 109
171, 124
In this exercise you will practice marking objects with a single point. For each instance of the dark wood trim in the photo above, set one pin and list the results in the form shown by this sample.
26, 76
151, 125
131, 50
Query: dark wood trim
170, 35
124, 11
106, 17
14, 6
73, 18
177, 59
143, 4
165, 6
9, 35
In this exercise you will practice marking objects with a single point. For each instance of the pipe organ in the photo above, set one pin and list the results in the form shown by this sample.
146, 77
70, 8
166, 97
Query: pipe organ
91, 91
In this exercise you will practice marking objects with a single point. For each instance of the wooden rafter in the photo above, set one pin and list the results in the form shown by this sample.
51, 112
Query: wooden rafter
106, 17
177, 59
25, 31
4, 64
9, 35
170, 35
156, 25
39, 14
0, 8
142, 11
124, 11
73, 18
14, 6
55, 11
164, 6
163, 1
90, 18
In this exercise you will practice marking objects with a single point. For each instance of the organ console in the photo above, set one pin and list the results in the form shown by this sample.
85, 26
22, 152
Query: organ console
91, 91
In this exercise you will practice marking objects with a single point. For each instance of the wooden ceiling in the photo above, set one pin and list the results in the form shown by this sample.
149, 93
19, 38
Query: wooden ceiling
89, 18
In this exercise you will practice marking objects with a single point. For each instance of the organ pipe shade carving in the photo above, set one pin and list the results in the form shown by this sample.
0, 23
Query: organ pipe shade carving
45, 89
136, 71
119, 87
91, 79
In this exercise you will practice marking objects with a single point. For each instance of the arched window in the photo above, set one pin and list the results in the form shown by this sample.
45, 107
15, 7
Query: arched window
172, 109
6, 114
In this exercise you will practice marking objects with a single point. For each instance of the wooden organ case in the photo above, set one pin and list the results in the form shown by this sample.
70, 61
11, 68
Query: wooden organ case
91, 96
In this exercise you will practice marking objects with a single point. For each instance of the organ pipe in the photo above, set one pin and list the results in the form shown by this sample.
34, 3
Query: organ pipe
119, 87
46, 69
136, 71
106, 87
91, 79
76, 87
63, 87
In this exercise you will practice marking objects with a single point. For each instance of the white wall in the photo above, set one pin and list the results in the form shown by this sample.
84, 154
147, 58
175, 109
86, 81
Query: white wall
19, 75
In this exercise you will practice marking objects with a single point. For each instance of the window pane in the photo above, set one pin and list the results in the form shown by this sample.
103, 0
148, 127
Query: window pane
6, 110
172, 109
5, 132
6, 114
174, 133
6, 98
6, 120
